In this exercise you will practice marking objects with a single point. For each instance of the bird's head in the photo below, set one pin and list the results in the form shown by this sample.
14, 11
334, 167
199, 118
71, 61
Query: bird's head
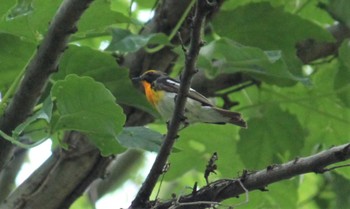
149, 76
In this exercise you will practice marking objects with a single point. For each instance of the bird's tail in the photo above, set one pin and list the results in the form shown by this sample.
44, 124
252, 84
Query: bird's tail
234, 117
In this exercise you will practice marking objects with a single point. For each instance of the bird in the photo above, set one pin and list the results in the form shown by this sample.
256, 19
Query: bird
161, 91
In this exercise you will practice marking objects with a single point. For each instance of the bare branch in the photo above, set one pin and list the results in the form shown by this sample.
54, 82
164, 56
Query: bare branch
141, 199
223, 189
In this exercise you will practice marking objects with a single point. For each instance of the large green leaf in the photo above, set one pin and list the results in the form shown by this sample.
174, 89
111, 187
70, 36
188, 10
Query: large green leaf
102, 67
275, 137
14, 55
87, 106
269, 28
226, 56
341, 82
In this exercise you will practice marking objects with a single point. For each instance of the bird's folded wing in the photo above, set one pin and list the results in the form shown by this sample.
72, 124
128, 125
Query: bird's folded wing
172, 85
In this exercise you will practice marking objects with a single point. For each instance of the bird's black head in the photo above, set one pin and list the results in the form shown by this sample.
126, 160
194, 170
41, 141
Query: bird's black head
150, 76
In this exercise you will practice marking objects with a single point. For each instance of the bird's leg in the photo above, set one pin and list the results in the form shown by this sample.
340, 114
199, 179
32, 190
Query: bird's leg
184, 121
183, 118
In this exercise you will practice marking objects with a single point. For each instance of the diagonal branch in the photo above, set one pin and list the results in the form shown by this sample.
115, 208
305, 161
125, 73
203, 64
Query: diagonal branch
141, 199
42, 65
226, 188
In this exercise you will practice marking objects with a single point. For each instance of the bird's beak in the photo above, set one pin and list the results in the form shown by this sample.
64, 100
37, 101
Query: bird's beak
136, 79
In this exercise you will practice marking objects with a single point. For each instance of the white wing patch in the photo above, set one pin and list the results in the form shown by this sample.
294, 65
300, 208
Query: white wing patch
172, 82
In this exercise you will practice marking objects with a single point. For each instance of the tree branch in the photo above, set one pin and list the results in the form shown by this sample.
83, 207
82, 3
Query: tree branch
142, 197
117, 173
9, 173
223, 189
310, 50
43, 64
66, 174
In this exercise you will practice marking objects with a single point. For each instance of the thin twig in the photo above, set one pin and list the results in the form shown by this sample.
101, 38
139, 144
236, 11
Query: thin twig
246, 191
147, 187
335, 167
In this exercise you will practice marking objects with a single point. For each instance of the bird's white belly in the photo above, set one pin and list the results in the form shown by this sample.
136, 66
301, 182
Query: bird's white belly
194, 111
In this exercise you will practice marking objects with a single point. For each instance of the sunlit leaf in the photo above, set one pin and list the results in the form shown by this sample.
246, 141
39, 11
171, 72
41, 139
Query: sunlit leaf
83, 202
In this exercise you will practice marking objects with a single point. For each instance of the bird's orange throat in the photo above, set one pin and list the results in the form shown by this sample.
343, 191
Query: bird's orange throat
152, 96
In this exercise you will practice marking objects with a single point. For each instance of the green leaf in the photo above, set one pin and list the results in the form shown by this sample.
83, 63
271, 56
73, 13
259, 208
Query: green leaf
141, 138
273, 199
99, 17
87, 106
275, 137
261, 25
226, 56
83, 202
341, 187
341, 82
14, 55
35, 129
45, 114
124, 41
339, 9
197, 144
22, 8
146, 3
318, 109
33, 25
85, 61
5, 8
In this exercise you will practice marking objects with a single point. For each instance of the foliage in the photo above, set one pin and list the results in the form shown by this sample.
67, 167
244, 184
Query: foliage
296, 110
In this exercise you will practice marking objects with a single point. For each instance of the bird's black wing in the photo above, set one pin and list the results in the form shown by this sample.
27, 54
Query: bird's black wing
172, 85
